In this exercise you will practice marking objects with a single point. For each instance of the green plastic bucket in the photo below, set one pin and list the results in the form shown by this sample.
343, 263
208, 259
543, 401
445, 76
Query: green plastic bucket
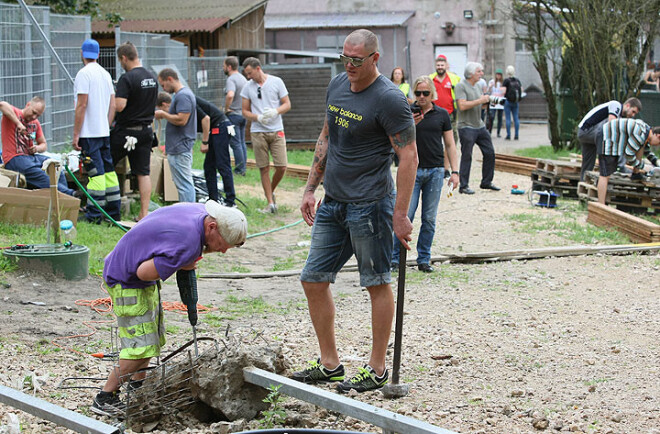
71, 263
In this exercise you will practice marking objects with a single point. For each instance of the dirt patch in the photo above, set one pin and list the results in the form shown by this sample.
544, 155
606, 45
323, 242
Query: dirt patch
564, 344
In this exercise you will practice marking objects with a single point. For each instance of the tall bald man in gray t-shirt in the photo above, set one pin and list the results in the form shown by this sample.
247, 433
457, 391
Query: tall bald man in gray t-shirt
366, 117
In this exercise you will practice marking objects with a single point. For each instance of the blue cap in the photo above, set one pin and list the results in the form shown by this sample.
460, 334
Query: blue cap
66, 225
90, 49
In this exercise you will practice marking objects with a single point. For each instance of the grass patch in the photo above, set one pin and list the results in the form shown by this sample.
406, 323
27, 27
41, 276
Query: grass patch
571, 230
544, 152
238, 307
99, 238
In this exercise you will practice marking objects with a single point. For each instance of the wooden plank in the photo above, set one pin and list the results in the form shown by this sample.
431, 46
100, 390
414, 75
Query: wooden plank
513, 167
637, 228
515, 158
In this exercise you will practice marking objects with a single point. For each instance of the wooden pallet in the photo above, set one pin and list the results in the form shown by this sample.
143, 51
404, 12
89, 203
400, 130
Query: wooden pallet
639, 230
565, 185
623, 192
559, 168
587, 192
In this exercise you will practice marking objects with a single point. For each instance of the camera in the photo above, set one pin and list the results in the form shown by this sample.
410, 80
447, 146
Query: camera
416, 109
495, 100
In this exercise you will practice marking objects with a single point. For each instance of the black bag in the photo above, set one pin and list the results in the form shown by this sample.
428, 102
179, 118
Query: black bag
513, 90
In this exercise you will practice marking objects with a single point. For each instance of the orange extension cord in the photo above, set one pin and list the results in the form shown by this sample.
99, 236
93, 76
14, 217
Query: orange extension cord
104, 305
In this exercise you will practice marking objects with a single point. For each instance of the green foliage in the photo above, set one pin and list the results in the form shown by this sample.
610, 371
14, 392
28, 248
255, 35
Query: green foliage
82, 7
275, 415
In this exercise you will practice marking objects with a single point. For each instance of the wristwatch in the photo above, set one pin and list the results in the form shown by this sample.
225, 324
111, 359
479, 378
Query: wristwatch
454, 172
205, 142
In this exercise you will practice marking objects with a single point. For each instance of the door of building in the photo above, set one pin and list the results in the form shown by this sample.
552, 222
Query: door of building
456, 56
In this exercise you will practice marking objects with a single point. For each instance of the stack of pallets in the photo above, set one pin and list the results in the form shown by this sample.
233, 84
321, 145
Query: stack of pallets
622, 192
561, 177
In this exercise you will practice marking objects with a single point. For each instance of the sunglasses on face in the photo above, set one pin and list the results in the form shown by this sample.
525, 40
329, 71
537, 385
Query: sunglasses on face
422, 92
355, 61
259, 92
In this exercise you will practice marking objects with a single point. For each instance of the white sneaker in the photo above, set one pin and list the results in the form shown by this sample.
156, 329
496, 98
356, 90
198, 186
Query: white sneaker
270, 209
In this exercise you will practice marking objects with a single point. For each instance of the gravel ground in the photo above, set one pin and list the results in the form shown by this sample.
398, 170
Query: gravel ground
557, 344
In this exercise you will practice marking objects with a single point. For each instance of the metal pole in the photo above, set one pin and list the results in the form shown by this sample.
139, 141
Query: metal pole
28, 12
60, 416
394, 389
398, 329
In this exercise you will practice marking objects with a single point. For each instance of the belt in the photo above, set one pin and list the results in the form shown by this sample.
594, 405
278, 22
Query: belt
138, 127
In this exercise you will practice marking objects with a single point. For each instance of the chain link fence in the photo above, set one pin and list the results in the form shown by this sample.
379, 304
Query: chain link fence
28, 69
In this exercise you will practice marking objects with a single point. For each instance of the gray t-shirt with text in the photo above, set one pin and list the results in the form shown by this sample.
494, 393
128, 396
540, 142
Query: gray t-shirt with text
359, 147
181, 139
469, 118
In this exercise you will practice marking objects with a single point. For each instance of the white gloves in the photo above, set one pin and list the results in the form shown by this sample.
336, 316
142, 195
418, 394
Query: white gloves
269, 115
230, 130
130, 143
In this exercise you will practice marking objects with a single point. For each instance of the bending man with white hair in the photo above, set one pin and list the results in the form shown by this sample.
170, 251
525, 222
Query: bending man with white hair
167, 240
471, 129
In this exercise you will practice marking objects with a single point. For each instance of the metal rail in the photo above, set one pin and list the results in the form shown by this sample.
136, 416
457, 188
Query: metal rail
56, 414
390, 422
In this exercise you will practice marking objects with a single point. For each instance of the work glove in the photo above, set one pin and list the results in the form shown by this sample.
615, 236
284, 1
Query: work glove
231, 130
264, 120
270, 113
130, 143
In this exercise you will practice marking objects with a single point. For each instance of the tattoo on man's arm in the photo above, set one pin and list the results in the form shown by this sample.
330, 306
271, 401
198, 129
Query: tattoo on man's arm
320, 160
404, 138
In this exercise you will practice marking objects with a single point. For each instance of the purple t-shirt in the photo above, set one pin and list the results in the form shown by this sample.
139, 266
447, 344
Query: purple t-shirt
172, 235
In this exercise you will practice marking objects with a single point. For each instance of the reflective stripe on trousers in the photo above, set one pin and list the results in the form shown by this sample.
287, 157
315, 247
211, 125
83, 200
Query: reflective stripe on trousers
140, 321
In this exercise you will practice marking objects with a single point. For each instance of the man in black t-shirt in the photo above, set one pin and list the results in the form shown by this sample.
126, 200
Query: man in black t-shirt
132, 135
215, 126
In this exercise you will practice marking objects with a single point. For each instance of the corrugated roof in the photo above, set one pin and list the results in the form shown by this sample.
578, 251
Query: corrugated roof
336, 20
163, 26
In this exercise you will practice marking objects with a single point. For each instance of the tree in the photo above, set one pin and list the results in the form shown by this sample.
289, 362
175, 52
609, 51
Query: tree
535, 30
82, 7
604, 45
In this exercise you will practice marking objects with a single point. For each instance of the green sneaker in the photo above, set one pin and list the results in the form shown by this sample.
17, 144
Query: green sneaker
365, 379
317, 373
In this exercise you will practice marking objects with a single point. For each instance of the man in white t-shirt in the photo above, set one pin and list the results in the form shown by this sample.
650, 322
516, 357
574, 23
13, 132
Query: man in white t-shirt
95, 109
265, 100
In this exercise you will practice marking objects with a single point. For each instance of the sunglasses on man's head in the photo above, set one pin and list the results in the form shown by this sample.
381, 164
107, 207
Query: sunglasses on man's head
259, 92
422, 92
355, 61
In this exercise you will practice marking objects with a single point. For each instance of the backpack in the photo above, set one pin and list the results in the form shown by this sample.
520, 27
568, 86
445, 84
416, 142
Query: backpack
513, 90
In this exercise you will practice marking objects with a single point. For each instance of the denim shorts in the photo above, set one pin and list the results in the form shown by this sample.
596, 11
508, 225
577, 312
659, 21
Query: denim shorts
342, 229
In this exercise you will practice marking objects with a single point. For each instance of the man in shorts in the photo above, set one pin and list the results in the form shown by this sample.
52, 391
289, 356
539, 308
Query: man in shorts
165, 241
265, 100
366, 116
132, 135
590, 128
628, 138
